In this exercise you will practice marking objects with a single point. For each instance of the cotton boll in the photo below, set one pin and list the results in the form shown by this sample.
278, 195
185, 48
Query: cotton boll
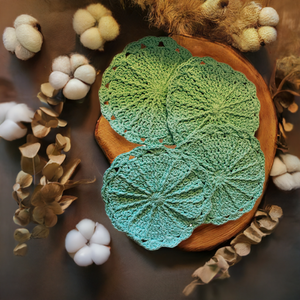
86, 73
4, 108
278, 167
249, 40
291, 162
82, 20
10, 39
75, 89
58, 79
77, 60
29, 37
267, 34
92, 39
86, 227
10, 131
22, 53
20, 113
99, 253
97, 10
74, 241
268, 17
284, 182
109, 28
83, 257
100, 236
296, 177
25, 19
62, 64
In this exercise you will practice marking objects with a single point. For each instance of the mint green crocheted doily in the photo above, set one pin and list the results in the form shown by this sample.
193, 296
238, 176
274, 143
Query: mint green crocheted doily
134, 89
235, 167
204, 91
155, 196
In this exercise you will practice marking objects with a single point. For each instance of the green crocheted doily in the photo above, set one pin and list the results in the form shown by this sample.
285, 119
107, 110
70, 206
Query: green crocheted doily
134, 89
204, 91
235, 167
155, 196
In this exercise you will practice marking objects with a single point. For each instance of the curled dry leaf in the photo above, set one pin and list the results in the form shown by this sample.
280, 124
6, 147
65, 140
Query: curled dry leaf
217, 267
20, 250
69, 169
22, 217
21, 235
287, 126
66, 201
40, 232
30, 150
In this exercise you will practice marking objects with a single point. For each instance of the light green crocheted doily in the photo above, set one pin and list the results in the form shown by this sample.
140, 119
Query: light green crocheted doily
235, 167
155, 196
134, 89
204, 91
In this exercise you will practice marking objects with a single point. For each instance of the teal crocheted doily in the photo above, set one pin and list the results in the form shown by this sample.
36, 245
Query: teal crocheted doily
155, 196
134, 89
204, 91
235, 167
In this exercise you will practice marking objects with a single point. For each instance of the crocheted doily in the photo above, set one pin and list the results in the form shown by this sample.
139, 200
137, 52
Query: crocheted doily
204, 91
134, 89
235, 167
155, 196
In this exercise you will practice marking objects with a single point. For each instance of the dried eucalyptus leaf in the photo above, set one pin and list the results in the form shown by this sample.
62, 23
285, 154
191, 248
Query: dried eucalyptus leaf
266, 225
40, 232
43, 180
59, 108
31, 139
207, 272
39, 212
50, 218
52, 150
66, 201
59, 159
51, 192
62, 123
20, 250
60, 141
50, 112
43, 98
284, 98
242, 249
48, 90
32, 166
22, 194
22, 217
53, 101
287, 126
36, 198
229, 254
69, 169
59, 172
24, 179
73, 183
191, 287
68, 145
50, 169
281, 129
275, 212
30, 150
21, 235
56, 208
254, 234
293, 108
39, 130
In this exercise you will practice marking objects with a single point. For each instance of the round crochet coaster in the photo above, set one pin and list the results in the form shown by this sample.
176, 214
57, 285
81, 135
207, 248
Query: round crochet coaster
204, 91
235, 167
134, 89
155, 196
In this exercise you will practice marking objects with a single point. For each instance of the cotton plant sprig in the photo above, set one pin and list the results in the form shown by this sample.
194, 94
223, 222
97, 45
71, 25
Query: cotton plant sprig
25, 38
263, 224
284, 86
95, 25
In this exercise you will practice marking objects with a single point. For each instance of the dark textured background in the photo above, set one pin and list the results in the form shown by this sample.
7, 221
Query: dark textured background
271, 271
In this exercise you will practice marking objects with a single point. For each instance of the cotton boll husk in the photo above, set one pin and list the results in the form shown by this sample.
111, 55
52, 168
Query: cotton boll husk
10, 131
25, 19
99, 253
82, 20
29, 37
22, 53
101, 235
20, 113
83, 257
62, 64
86, 227
86, 73
10, 39
77, 60
75, 89
92, 39
97, 10
268, 34
109, 28
268, 17
278, 167
284, 182
250, 40
74, 241
291, 162
4, 108
58, 79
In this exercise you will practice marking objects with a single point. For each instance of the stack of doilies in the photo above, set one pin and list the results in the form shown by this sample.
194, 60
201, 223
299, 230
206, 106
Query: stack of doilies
157, 94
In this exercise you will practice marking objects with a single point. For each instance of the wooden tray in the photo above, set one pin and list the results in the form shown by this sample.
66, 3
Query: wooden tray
208, 236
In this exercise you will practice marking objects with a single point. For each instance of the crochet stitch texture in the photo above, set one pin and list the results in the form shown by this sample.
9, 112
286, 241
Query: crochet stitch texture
134, 89
204, 91
155, 195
